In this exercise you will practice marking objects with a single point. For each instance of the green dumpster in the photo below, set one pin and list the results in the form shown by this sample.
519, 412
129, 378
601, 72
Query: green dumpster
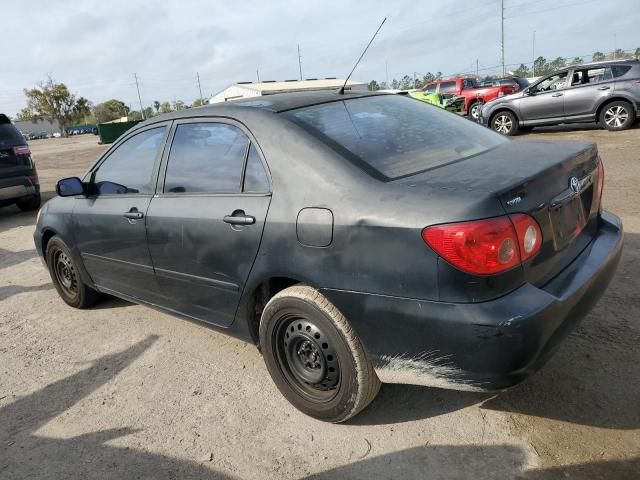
109, 132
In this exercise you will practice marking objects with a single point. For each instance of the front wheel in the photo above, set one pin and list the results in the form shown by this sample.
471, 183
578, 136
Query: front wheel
314, 357
617, 116
65, 276
474, 110
505, 123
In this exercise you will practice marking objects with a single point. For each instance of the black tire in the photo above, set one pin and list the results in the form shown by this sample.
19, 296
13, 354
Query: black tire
30, 204
505, 123
65, 276
474, 110
314, 357
618, 115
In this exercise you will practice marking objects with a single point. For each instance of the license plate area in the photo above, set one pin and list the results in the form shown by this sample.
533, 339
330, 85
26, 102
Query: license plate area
568, 219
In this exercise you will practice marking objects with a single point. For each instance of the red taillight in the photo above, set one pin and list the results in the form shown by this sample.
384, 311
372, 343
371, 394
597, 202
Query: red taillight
486, 247
599, 185
22, 150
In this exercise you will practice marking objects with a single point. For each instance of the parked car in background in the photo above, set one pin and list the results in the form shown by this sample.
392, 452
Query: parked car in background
450, 102
604, 92
516, 82
356, 238
474, 95
19, 182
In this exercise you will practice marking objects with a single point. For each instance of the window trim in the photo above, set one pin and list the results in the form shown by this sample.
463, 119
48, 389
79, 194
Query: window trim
90, 173
162, 172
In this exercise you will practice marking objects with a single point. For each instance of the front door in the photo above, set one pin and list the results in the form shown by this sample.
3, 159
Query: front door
109, 224
205, 225
545, 100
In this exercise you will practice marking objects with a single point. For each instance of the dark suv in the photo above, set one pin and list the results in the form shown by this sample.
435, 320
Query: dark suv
19, 182
604, 92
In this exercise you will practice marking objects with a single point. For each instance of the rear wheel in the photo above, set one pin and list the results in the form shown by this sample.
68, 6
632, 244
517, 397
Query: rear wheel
66, 278
30, 204
505, 123
314, 357
617, 116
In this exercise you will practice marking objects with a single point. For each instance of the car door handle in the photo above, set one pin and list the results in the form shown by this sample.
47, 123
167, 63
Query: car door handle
133, 214
556, 95
239, 218
604, 88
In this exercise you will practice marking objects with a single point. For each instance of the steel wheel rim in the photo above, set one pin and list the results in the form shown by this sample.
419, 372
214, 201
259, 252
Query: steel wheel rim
475, 111
65, 274
503, 124
307, 358
616, 116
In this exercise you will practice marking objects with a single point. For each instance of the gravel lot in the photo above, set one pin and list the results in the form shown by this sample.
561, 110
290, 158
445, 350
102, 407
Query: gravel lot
122, 391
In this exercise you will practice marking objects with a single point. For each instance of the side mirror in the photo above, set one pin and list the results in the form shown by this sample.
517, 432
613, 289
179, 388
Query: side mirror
70, 187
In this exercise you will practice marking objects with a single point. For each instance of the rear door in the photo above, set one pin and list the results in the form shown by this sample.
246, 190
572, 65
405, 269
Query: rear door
545, 100
109, 224
589, 88
206, 221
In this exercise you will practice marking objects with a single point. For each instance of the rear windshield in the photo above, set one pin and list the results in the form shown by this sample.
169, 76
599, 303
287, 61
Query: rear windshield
393, 135
10, 136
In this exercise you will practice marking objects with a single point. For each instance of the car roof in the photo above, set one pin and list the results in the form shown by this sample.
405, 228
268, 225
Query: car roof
604, 63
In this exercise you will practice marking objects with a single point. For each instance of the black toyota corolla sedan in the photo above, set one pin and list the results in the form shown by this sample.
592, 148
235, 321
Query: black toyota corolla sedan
356, 238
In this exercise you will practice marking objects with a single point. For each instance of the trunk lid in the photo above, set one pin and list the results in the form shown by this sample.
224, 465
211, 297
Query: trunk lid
15, 158
534, 177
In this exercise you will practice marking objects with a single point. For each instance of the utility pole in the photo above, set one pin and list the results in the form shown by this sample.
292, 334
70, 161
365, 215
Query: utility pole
477, 68
615, 45
414, 80
139, 99
199, 86
386, 67
258, 74
300, 61
533, 55
502, 34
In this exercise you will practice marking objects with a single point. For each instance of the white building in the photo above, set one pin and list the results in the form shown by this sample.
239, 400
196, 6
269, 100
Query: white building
258, 89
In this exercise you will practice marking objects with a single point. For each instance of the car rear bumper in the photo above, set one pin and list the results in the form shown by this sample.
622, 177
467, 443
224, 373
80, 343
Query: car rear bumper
481, 346
15, 188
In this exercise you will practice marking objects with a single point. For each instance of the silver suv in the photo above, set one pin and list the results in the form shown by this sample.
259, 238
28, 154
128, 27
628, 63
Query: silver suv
605, 92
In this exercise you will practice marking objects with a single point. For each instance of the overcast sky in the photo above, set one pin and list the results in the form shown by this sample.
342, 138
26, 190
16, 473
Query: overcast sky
96, 46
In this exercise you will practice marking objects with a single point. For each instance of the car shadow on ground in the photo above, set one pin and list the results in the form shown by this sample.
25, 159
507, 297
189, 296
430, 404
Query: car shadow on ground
478, 462
24, 454
12, 217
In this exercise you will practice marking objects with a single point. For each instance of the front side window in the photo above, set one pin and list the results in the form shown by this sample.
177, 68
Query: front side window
393, 135
129, 168
447, 87
554, 82
206, 158
430, 88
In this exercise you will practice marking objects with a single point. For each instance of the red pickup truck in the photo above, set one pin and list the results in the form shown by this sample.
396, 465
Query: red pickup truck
473, 94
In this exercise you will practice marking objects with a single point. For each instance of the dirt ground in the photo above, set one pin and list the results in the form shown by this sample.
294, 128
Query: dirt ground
122, 391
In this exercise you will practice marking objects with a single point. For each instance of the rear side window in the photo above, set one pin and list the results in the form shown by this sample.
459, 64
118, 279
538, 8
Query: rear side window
447, 87
255, 177
10, 136
620, 70
393, 136
206, 158
129, 168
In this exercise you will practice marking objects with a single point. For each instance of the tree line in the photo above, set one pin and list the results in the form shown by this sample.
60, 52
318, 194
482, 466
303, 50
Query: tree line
541, 66
52, 101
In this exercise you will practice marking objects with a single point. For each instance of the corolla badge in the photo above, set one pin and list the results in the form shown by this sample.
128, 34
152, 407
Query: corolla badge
574, 184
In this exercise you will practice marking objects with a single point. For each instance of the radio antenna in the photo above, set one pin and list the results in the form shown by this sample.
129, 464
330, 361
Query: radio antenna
341, 91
